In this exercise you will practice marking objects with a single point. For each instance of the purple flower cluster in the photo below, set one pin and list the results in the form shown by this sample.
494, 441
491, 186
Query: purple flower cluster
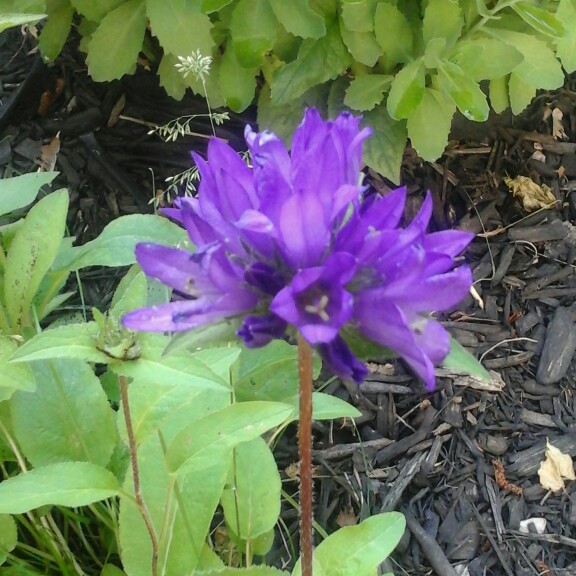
292, 242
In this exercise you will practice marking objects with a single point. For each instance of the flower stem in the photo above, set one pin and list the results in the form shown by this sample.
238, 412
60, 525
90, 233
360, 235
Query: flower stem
136, 474
305, 447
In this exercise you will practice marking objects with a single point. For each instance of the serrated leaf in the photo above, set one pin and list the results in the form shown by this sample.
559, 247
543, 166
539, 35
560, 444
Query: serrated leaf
442, 19
406, 90
251, 500
362, 46
238, 84
170, 79
253, 31
95, 11
318, 61
180, 26
298, 18
520, 93
358, 16
485, 58
461, 360
13, 377
115, 245
464, 91
69, 484
63, 420
365, 92
56, 30
32, 253
541, 20
499, 94
130, 294
20, 191
429, 125
393, 33
8, 536
123, 28
11, 19
384, 149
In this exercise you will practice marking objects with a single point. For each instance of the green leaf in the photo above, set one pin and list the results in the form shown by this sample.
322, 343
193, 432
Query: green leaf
464, 91
520, 93
326, 407
67, 418
540, 67
252, 571
359, 549
383, 151
393, 33
123, 28
365, 92
238, 84
55, 32
170, 79
132, 293
253, 30
318, 61
298, 18
11, 19
13, 377
485, 58
77, 341
499, 94
32, 253
461, 360
8, 536
111, 570
95, 11
115, 245
69, 484
429, 125
442, 19
209, 6
358, 16
251, 500
541, 20
180, 26
566, 46
406, 90
18, 192
197, 445
362, 46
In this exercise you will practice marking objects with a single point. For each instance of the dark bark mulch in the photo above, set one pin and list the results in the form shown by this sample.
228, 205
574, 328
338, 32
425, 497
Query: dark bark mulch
461, 463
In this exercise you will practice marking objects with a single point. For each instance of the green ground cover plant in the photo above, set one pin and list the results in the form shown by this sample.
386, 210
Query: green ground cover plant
407, 65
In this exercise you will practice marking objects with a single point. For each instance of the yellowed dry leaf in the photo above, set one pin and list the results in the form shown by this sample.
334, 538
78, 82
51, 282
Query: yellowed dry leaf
555, 468
532, 196
346, 517
557, 125
49, 154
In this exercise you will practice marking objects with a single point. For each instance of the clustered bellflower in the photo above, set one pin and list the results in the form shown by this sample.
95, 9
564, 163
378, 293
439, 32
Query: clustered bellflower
295, 241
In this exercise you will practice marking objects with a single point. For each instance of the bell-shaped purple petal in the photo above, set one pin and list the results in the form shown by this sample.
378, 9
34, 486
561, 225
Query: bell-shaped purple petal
339, 359
257, 331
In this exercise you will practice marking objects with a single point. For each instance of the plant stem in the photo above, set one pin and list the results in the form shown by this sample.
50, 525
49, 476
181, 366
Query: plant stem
305, 448
136, 473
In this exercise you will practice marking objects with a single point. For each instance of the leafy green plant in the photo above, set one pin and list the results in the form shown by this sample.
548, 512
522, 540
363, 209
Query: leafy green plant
406, 65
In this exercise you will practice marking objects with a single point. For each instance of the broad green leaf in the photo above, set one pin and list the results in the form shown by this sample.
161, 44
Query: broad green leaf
209, 6
195, 447
8, 536
11, 19
539, 67
406, 90
541, 20
170, 79
252, 571
358, 16
318, 61
121, 31
325, 407
251, 499
359, 549
32, 253
298, 18
362, 46
520, 93
365, 92
181, 513
393, 33
56, 30
111, 570
253, 30
180, 26
464, 91
461, 360
485, 58
269, 373
434, 53
69, 484
442, 19
499, 94
238, 84
115, 245
13, 377
221, 333
67, 418
132, 293
95, 11
384, 149
566, 45
181, 366
77, 341
18, 192
429, 125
